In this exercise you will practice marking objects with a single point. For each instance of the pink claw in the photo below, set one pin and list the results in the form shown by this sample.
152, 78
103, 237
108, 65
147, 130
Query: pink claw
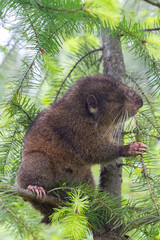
132, 149
39, 191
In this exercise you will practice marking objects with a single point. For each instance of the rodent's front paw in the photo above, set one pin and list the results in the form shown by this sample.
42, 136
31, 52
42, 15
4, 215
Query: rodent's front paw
132, 149
39, 191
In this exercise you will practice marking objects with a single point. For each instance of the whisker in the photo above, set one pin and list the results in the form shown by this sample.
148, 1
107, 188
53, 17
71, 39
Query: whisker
108, 130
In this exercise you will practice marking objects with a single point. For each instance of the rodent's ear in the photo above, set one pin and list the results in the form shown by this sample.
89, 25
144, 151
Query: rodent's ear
92, 104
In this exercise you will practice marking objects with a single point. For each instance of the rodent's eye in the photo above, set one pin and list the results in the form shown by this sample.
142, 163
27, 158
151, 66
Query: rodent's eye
111, 100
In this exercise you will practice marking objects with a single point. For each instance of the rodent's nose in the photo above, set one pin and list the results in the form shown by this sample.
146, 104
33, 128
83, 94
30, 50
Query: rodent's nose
139, 102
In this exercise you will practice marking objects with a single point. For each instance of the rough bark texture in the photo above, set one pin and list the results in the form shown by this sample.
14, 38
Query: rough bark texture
111, 174
28, 195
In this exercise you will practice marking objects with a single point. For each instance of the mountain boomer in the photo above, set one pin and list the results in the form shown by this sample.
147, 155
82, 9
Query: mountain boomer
74, 133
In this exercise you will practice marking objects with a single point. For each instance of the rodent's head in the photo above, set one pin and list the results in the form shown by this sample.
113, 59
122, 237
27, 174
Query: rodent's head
108, 100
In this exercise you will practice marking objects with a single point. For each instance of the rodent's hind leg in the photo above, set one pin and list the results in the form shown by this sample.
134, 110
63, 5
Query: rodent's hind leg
39, 191
46, 220
45, 209
36, 170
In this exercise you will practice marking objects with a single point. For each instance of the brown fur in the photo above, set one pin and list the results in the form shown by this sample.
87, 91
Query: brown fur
74, 133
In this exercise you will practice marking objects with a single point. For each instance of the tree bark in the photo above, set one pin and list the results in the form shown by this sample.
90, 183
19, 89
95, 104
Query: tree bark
28, 195
111, 174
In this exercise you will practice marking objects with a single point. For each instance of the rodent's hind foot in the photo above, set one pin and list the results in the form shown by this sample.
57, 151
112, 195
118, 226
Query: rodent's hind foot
46, 220
132, 149
39, 191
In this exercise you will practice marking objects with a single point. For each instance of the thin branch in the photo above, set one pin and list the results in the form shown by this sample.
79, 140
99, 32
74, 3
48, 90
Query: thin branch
145, 30
145, 172
16, 105
129, 225
87, 54
55, 31
133, 132
150, 58
91, 195
10, 145
153, 3
149, 121
35, 32
155, 67
128, 33
55, 202
140, 89
15, 216
29, 196
26, 73
60, 10
151, 29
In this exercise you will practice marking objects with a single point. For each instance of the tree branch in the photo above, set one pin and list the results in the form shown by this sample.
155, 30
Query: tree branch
35, 32
16, 105
15, 216
151, 29
149, 57
59, 10
10, 146
145, 173
28, 195
55, 202
149, 121
87, 54
142, 92
153, 3
26, 73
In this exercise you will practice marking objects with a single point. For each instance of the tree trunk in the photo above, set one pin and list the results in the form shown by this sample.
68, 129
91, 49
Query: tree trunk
111, 174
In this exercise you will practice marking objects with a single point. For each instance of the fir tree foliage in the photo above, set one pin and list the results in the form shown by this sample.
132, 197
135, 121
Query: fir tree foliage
73, 216
107, 11
57, 43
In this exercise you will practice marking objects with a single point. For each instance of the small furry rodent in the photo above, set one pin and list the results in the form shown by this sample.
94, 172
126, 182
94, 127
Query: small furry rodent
74, 133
